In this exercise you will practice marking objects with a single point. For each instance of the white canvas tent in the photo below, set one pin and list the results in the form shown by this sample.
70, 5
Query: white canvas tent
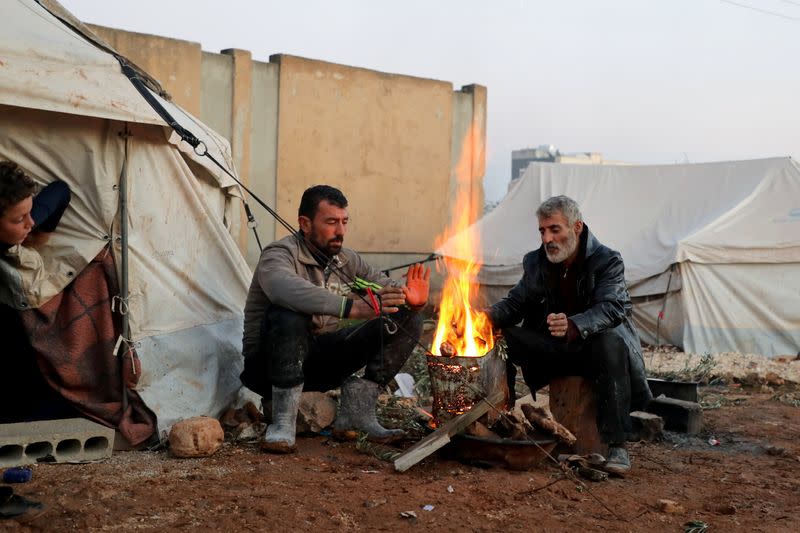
715, 245
67, 112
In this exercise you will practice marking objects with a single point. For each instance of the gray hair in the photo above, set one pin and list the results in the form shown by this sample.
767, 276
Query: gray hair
560, 204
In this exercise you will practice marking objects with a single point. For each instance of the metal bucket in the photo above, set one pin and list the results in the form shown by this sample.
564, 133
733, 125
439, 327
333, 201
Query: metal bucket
458, 383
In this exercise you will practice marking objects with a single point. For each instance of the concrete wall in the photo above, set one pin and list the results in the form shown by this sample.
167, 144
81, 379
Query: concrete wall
400, 147
264, 152
383, 139
174, 63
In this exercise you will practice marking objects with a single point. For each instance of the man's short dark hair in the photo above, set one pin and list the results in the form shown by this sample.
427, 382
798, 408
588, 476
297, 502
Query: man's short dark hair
15, 185
314, 195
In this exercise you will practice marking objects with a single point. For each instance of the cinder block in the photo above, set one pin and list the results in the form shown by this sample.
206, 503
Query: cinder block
648, 427
680, 390
54, 441
678, 415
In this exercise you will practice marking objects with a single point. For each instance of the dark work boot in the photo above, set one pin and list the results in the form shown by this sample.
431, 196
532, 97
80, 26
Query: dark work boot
357, 412
618, 461
279, 437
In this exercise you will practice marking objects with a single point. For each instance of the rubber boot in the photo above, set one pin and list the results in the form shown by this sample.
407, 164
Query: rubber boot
357, 413
279, 437
618, 461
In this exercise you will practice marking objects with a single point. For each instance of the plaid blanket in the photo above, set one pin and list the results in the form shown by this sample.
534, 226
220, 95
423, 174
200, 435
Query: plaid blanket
74, 335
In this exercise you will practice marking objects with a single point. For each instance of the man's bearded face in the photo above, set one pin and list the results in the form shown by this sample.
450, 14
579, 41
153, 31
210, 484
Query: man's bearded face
326, 231
560, 240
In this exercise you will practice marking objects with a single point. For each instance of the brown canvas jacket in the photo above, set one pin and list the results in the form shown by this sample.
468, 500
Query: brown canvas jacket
287, 275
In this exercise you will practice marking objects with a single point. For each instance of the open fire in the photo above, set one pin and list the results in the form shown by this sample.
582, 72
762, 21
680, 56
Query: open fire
462, 331
461, 366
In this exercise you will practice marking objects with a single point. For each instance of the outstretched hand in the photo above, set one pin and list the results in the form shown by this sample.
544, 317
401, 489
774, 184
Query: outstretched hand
417, 285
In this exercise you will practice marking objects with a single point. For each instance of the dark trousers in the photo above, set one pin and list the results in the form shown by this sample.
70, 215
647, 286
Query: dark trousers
602, 359
25, 395
291, 355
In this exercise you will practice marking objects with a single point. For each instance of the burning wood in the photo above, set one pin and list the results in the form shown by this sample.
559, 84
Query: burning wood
447, 350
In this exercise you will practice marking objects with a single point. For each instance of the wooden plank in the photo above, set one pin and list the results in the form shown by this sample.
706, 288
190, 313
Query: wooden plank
441, 436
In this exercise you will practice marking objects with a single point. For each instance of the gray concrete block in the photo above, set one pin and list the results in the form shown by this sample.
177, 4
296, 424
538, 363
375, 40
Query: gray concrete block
678, 415
55, 441
648, 427
680, 390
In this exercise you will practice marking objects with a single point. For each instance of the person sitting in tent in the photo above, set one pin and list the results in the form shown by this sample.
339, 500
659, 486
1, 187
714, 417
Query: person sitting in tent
24, 218
576, 320
303, 286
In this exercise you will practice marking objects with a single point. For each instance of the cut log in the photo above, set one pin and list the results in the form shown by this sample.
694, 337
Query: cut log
476, 429
542, 419
573, 404
441, 436
512, 426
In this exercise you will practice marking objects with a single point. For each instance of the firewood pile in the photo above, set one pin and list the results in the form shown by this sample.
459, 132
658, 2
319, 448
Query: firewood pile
535, 423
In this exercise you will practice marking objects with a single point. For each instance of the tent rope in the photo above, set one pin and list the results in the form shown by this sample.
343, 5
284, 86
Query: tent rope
140, 85
130, 346
201, 150
122, 302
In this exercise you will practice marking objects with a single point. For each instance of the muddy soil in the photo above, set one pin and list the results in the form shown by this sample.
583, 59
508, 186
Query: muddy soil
750, 481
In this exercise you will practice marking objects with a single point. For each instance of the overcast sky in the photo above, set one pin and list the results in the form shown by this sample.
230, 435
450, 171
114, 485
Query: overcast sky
645, 81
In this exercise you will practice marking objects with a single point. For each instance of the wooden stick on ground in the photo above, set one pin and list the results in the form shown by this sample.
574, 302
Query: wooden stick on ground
441, 436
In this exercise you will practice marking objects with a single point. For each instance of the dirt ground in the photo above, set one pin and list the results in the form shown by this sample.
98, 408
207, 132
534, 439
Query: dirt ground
749, 482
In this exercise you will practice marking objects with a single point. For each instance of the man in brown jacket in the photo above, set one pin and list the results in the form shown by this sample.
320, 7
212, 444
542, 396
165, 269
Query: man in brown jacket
303, 286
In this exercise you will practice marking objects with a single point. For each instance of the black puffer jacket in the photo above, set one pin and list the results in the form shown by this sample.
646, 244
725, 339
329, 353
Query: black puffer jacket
603, 297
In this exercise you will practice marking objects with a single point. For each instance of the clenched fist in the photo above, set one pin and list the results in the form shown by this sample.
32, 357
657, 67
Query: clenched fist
558, 324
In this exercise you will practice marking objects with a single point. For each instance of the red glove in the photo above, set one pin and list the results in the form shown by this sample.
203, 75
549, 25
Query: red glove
417, 285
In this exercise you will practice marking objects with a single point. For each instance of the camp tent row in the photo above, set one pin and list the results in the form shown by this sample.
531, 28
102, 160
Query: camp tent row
67, 112
711, 250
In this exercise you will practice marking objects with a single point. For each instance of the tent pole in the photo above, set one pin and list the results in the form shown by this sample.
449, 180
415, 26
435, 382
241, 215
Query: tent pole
123, 229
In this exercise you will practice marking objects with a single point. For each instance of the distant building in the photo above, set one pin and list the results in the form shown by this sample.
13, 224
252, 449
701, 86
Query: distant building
547, 153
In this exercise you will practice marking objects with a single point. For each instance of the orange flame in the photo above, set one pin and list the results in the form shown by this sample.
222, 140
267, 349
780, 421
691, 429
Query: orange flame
468, 331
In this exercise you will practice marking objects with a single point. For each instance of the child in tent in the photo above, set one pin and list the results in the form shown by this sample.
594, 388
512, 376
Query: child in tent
27, 220
24, 218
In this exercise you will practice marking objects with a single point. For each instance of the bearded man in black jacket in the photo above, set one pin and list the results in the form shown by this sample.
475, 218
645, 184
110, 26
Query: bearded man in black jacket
575, 315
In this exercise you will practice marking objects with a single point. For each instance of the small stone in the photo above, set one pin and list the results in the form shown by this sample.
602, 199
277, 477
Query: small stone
247, 431
317, 411
727, 509
774, 450
670, 507
196, 437
370, 504
411, 515
774, 379
450, 489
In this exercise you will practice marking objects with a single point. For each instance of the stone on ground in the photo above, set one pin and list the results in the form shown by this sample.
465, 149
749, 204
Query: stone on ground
196, 437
